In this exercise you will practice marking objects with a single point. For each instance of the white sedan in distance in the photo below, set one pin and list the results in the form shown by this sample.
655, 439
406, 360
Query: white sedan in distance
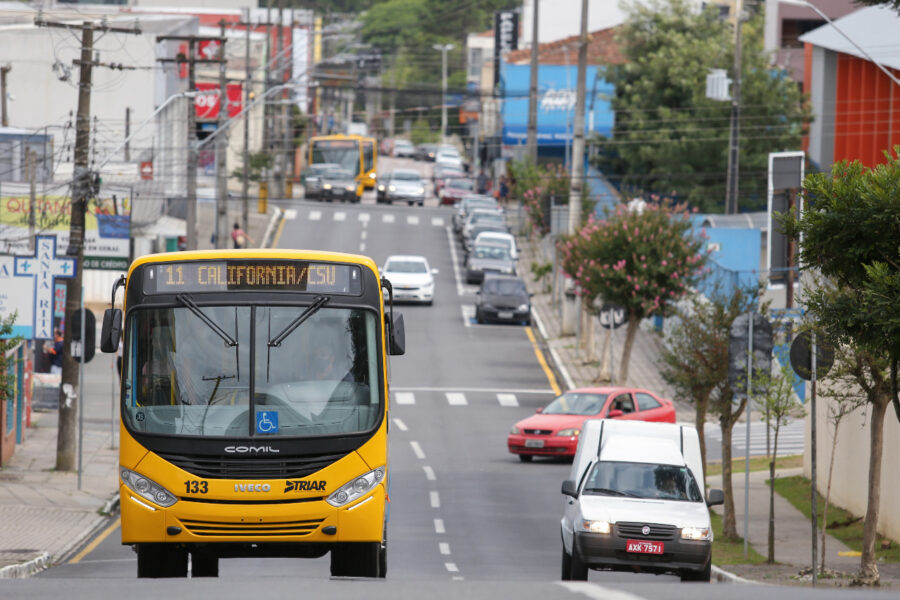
412, 280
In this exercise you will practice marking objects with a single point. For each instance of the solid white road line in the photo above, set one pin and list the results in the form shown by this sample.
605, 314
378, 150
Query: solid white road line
435, 499
429, 473
597, 592
404, 398
315, 215
455, 261
387, 218
340, 216
439, 526
417, 450
401, 425
570, 384
474, 390
456, 399
444, 547
507, 400
412, 220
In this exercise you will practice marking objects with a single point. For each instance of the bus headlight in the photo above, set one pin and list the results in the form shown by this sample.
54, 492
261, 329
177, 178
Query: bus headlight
392, 188
357, 488
381, 188
147, 488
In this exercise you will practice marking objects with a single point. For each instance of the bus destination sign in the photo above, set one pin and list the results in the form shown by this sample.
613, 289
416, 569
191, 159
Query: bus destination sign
252, 276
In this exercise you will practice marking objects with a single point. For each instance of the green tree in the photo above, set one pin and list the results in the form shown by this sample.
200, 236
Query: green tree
258, 164
849, 233
643, 259
7, 343
672, 140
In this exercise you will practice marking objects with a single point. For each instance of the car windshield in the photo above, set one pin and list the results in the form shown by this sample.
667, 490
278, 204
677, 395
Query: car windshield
504, 287
406, 266
338, 174
491, 252
405, 176
182, 380
506, 242
573, 403
642, 480
461, 184
486, 217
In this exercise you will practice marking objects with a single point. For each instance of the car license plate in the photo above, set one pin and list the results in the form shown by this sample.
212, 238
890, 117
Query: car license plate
644, 547
505, 315
534, 443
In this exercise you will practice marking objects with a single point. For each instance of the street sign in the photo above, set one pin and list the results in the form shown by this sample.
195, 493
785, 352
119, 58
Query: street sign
801, 356
612, 313
738, 343
146, 170
90, 335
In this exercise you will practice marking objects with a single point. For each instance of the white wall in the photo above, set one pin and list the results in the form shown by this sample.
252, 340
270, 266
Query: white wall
559, 19
851, 467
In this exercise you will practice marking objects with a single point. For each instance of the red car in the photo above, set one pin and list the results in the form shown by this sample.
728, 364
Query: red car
554, 430
455, 188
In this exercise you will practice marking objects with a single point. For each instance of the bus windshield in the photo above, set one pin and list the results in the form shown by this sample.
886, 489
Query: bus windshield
312, 378
342, 152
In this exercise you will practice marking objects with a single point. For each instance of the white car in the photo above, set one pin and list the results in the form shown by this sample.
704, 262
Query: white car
635, 502
412, 280
498, 237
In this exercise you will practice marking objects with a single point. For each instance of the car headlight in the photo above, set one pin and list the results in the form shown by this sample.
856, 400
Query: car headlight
696, 533
571, 432
421, 191
514, 430
147, 488
380, 188
350, 188
357, 488
327, 186
523, 308
596, 526
392, 188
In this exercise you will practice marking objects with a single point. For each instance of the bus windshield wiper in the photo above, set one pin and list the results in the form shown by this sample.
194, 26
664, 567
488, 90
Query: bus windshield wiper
189, 303
318, 303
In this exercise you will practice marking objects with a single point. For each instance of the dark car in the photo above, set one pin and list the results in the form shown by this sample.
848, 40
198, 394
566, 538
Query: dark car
467, 205
425, 152
503, 298
311, 178
340, 184
455, 189
486, 259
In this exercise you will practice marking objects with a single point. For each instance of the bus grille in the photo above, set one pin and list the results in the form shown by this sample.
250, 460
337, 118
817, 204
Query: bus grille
217, 467
278, 528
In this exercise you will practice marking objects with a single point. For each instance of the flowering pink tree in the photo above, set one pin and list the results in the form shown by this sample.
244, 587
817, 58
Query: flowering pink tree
644, 260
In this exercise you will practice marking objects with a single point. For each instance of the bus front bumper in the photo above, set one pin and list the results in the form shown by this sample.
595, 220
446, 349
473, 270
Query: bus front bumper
192, 522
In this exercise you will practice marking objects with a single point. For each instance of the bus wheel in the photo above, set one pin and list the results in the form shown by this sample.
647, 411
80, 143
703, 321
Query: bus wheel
161, 560
204, 565
356, 559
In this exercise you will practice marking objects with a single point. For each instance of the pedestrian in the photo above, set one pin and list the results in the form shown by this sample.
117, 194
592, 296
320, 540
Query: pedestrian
483, 182
56, 352
240, 237
504, 189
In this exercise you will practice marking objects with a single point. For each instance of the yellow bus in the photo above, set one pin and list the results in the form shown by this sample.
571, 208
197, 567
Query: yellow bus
354, 153
254, 408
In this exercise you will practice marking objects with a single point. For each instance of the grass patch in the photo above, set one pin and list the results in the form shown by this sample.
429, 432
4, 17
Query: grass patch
757, 463
730, 552
797, 491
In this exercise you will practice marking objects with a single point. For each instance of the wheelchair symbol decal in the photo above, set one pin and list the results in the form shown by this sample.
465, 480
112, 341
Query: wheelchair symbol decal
267, 421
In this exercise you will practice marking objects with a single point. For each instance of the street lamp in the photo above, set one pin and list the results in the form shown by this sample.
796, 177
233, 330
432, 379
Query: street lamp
443, 48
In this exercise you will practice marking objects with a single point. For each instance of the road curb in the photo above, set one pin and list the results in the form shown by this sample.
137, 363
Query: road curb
720, 575
276, 218
26, 569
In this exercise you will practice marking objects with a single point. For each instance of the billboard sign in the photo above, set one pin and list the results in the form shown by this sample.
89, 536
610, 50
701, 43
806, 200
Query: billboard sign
506, 37
206, 104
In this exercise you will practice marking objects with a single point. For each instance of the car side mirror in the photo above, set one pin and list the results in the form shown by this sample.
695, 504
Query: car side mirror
111, 331
569, 489
614, 413
715, 497
539, 410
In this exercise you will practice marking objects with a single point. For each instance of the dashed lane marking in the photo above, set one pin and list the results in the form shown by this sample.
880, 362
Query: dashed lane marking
439, 526
387, 218
456, 399
468, 314
404, 398
597, 592
401, 425
412, 220
435, 499
315, 215
507, 400
444, 548
290, 214
451, 567
429, 473
364, 217
340, 216
362, 246
437, 222
417, 450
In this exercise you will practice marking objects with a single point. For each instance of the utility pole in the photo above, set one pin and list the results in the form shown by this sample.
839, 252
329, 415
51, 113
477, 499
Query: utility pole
576, 184
531, 140
81, 190
4, 115
191, 176
280, 122
245, 188
287, 112
222, 146
30, 160
443, 48
127, 133
731, 192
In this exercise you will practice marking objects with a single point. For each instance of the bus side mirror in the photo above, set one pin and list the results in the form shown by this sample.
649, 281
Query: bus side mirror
111, 331
397, 336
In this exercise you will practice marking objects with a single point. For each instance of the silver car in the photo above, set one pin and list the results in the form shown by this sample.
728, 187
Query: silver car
488, 258
405, 185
